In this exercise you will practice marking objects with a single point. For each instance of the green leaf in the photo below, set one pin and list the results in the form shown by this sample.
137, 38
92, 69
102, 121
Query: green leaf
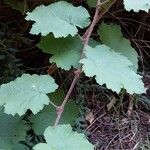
137, 5
112, 69
111, 35
19, 147
61, 18
12, 130
66, 51
93, 43
6, 146
26, 92
91, 3
62, 137
47, 116
105, 6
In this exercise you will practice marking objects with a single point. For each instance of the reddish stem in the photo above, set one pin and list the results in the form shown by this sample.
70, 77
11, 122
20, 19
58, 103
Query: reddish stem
85, 38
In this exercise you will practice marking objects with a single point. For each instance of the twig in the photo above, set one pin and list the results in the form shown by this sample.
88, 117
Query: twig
101, 14
111, 103
61, 108
53, 104
130, 107
106, 10
111, 141
95, 121
78, 72
85, 39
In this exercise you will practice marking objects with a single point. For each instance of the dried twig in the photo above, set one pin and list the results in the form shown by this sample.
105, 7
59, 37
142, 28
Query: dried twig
111, 103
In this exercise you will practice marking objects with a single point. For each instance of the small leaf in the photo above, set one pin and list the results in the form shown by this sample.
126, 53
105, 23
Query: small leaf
62, 137
106, 4
112, 69
26, 92
66, 51
111, 35
137, 6
91, 3
61, 18
47, 116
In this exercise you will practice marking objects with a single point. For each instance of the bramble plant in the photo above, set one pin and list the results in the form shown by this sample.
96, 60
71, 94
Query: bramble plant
112, 61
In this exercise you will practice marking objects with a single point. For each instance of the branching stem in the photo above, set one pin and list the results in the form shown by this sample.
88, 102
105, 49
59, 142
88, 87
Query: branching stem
97, 16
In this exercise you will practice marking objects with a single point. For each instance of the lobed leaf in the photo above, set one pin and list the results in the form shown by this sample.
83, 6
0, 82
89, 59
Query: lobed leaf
62, 137
91, 3
61, 18
12, 130
112, 69
137, 5
66, 51
26, 92
112, 36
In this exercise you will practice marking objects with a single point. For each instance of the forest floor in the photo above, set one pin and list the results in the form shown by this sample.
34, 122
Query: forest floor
110, 121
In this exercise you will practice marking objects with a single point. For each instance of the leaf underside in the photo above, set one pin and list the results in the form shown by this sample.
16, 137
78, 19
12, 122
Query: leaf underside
26, 92
62, 137
111, 36
112, 69
137, 5
61, 18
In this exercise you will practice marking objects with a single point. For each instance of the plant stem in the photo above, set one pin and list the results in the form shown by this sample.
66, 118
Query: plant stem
61, 109
85, 38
